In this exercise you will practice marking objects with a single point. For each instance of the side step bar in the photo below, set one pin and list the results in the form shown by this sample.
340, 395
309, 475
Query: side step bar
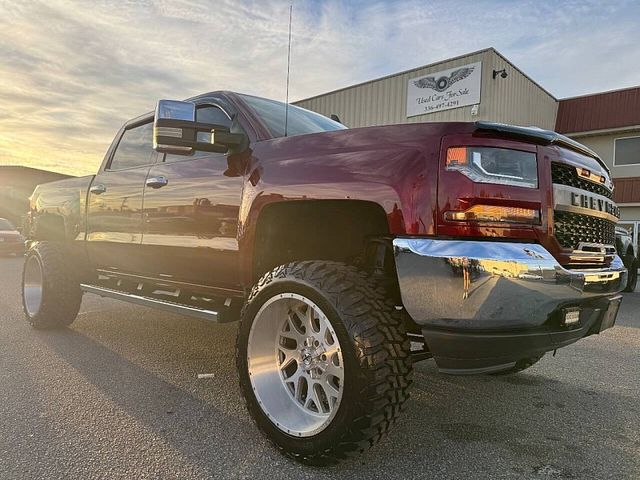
152, 302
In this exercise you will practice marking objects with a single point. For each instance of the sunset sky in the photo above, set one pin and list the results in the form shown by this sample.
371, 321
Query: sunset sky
72, 72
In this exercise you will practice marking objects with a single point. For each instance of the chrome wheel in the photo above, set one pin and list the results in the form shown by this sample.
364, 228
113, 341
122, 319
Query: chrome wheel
32, 285
295, 364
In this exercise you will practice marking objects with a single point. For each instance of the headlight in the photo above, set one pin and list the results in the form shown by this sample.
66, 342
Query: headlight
495, 165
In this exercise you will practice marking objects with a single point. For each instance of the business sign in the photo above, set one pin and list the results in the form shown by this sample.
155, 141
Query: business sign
453, 88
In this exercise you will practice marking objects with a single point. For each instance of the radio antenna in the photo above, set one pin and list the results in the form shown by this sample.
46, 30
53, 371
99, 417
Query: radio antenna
286, 108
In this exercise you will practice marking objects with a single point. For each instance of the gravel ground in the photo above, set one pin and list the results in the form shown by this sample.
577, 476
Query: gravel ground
116, 396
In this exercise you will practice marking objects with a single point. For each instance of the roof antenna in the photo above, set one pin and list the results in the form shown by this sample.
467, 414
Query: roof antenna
286, 108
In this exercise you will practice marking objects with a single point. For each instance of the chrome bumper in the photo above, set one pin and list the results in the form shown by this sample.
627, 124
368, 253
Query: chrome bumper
486, 285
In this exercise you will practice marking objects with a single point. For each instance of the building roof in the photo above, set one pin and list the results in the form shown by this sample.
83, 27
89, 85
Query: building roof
600, 111
627, 190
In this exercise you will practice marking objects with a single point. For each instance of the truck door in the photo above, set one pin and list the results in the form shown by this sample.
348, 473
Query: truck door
191, 208
114, 216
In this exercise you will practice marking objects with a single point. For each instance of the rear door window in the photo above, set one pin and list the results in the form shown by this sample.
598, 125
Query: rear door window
135, 148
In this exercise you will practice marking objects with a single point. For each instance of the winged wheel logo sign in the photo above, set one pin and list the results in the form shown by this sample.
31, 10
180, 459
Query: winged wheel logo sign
444, 82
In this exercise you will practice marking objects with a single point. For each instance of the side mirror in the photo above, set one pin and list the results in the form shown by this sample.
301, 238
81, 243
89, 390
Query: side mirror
175, 130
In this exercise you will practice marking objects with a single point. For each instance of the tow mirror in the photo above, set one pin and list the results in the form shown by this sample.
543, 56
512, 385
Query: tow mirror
175, 130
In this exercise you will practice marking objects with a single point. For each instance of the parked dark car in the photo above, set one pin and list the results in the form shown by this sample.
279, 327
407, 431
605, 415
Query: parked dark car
11, 242
483, 245
628, 251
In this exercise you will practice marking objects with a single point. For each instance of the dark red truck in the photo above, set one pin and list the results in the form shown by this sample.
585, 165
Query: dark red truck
347, 254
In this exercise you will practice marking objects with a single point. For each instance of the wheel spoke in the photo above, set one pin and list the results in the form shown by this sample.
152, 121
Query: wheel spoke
305, 313
313, 398
334, 370
287, 360
313, 320
295, 327
327, 403
332, 351
327, 336
294, 381
331, 393
291, 330
287, 347
333, 400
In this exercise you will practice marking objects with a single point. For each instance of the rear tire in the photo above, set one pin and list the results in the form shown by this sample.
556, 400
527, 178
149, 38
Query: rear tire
51, 294
297, 315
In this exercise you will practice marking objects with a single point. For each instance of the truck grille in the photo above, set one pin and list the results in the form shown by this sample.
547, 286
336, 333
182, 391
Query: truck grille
566, 175
571, 229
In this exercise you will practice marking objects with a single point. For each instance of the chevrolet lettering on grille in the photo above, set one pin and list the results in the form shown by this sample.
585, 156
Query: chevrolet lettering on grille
575, 200
591, 201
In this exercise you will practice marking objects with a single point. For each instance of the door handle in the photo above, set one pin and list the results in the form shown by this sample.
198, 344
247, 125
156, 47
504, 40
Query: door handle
98, 188
157, 182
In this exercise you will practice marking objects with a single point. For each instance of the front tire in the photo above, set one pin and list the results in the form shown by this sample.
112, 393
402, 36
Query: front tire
632, 266
323, 360
51, 294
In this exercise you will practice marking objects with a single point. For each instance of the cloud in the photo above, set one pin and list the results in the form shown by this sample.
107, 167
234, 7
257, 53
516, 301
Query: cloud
73, 72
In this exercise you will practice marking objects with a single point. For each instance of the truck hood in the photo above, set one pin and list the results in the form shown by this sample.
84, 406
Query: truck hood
542, 137
385, 137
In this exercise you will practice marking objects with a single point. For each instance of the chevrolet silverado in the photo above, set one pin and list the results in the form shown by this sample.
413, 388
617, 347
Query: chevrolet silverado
346, 254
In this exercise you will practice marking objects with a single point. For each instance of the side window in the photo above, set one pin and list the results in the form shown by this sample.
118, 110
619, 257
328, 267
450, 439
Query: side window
134, 149
205, 114
211, 114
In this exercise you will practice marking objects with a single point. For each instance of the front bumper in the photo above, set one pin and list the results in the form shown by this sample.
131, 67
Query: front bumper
464, 294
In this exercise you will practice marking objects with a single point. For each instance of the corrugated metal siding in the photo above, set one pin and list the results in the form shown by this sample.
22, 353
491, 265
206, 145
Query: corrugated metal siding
515, 99
627, 190
599, 112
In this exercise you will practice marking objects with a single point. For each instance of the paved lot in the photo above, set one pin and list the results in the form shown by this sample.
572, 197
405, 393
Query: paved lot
116, 396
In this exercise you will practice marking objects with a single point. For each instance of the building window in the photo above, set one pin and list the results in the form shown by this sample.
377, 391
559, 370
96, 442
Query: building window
626, 151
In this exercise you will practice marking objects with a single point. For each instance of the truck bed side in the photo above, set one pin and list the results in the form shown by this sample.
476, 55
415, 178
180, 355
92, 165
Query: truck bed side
58, 210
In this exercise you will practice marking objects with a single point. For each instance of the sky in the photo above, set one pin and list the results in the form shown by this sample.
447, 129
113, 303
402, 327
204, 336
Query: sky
72, 72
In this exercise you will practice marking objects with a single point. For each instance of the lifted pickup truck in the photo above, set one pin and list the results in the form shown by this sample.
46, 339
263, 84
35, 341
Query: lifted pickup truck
347, 254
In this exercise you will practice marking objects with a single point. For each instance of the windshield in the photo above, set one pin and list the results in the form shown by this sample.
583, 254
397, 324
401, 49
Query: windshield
299, 122
6, 224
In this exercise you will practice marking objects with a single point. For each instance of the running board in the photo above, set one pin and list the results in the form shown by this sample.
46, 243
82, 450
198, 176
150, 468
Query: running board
152, 302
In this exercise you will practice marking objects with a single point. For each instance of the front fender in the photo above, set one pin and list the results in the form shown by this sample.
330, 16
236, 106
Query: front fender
399, 178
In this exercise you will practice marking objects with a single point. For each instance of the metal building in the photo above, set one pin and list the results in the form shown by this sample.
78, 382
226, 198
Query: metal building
514, 99
609, 124
484, 85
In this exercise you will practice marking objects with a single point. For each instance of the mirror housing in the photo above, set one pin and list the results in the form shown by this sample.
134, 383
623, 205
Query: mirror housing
175, 130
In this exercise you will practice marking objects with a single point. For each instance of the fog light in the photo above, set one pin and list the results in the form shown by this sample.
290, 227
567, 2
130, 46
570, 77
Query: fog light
491, 213
571, 317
